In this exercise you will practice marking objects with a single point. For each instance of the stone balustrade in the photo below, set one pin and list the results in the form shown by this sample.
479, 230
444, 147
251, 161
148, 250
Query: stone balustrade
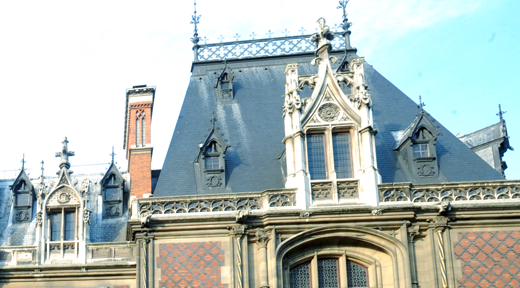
268, 199
452, 192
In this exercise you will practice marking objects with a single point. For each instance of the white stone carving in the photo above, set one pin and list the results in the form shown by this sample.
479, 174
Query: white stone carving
62, 196
329, 112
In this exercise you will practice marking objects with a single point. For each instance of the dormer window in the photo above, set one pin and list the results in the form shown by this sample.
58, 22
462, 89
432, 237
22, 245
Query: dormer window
417, 150
23, 198
224, 86
210, 164
113, 196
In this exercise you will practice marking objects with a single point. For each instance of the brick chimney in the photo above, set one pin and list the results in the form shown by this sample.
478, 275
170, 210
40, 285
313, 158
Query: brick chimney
138, 139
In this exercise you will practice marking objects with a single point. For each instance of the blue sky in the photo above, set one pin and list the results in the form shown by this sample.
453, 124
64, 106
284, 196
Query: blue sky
65, 65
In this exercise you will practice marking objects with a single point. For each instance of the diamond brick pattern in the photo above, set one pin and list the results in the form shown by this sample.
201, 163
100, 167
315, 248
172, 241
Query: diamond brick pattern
193, 264
489, 259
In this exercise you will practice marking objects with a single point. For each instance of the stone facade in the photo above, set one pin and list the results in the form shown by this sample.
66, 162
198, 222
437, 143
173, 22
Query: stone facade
327, 216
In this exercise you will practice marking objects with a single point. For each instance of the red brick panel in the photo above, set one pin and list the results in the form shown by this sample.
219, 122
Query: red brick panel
194, 264
489, 259
140, 174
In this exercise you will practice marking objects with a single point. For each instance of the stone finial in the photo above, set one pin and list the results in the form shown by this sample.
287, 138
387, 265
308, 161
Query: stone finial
113, 154
501, 113
322, 36
23, 161
64, 154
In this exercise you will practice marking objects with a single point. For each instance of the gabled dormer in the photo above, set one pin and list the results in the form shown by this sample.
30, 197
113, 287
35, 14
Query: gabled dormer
210, 164
23, 197
416, 147
224, 86
329, 137
113, 195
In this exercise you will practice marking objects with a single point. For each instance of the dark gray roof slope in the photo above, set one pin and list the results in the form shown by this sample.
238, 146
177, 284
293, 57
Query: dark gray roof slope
394, 111
253, 126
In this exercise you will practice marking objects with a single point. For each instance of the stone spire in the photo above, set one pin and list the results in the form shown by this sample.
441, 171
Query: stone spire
64, 154
195, 38
346, 24
112, 154
23, 161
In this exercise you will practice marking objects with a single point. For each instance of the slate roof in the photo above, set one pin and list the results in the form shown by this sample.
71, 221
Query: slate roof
253, 126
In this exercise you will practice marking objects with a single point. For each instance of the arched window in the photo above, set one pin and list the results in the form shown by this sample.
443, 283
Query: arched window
22, 194
328, 273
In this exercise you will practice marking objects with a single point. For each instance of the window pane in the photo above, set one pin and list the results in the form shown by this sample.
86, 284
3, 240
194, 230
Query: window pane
111, 194
70, 224
420, 150
212, 162
112, 180
342, 161
300, 276
22, 199
328, 273
55, 227
137, 130
316, 157
356, 275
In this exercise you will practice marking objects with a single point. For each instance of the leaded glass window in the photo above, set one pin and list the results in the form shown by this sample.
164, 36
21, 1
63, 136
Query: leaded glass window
342, 162
70, 226
55, 226
300, 276
316, 156
420, 150
356, 275
328, 273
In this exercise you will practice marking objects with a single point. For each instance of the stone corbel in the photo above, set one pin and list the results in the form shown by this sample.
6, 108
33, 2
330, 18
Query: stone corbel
262, 236
145, 219
241, 215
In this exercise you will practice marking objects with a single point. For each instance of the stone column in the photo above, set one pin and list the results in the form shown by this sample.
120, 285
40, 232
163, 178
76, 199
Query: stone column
236, 232
412, 232
262, 238
440, 223
144, 273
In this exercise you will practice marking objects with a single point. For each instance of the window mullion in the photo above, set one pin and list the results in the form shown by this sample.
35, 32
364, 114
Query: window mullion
314, 272
343, 277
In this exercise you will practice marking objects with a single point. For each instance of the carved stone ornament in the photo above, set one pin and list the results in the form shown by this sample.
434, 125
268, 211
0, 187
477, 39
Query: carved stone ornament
315, 120
413, 231
22, 216
426, 170
440, 222
323, 34
237, 230
292, 102
329, 112
39, 218
145, 219
377, 212
214, 181
63, 197
262, 237
241, 215
86, 216
112, 210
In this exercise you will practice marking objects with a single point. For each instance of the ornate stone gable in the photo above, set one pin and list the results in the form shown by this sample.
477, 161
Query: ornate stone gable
64, 195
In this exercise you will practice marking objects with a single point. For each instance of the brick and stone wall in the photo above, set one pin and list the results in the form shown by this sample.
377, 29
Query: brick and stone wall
488, 258
191, 264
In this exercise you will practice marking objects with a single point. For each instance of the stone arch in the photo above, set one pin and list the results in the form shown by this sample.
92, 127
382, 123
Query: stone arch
380, 243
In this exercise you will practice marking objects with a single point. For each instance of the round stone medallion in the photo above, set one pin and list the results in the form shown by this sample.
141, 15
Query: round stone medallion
328, 112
